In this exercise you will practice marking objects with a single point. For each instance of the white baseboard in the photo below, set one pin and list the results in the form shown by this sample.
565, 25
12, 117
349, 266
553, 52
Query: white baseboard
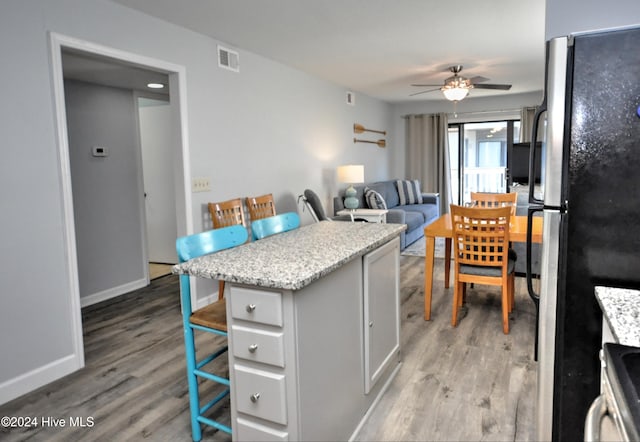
25, 383
112, 292
201, 302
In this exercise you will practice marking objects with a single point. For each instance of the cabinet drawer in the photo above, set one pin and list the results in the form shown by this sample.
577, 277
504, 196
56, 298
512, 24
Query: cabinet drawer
252, 431
258, 345
256, 305
261, 394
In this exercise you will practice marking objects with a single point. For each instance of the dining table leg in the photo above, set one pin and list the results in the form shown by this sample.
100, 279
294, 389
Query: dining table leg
428, 275
447, 261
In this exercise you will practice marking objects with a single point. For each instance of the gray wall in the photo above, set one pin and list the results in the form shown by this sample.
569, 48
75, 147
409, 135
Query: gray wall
269, 128
107, 196
563, 17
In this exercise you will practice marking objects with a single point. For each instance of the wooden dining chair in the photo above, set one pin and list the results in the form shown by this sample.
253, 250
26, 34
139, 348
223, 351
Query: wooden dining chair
489, 199
223, 214
211, 319
227, 213
481, 255
260, 206
284, 222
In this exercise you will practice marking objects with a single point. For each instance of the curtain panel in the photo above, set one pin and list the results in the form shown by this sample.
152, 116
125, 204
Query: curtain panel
526, 125
427, 155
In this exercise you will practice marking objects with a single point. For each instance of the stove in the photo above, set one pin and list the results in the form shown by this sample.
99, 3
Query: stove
615, 414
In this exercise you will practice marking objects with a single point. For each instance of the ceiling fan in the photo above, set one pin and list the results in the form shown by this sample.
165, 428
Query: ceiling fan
457, 87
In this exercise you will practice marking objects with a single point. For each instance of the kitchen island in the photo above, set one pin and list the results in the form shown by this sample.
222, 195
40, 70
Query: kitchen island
314, 327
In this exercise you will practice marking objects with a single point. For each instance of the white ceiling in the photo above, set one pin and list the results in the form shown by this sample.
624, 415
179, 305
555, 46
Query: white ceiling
78, 65
378, 47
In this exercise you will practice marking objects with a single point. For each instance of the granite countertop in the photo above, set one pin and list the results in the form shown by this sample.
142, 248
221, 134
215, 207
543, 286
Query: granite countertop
294, 259
621, 308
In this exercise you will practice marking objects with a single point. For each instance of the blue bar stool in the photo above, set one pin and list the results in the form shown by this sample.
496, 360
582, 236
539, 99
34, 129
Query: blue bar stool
275, 224
211, 319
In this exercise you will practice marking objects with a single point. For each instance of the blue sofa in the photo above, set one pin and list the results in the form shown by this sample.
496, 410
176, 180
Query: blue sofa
415, 216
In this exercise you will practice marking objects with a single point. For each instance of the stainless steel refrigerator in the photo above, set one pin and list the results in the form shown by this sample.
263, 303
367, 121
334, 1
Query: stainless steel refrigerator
590, 199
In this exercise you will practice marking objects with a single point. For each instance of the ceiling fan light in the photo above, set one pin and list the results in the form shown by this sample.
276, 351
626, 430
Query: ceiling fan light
455, 93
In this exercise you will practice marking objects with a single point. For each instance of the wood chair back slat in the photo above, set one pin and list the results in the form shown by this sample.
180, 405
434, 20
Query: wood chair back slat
260, 207
488, 200
227, 213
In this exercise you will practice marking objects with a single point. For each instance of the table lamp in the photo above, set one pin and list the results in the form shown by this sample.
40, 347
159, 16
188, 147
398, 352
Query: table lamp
351, 174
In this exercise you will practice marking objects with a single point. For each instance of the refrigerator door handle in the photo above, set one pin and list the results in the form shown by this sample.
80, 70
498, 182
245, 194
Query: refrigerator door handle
535, 297
532, 151
532, 293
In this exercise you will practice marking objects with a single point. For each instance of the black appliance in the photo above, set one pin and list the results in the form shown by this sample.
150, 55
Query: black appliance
519, 163
590, 198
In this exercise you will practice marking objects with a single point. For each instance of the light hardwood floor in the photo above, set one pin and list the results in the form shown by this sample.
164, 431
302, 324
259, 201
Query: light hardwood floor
467, 383
157, 270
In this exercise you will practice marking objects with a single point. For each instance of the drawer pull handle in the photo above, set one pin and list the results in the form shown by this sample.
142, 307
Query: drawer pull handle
253, 348
251, 308
254, 397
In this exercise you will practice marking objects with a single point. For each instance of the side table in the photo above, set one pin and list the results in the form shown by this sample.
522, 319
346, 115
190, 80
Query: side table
371, 215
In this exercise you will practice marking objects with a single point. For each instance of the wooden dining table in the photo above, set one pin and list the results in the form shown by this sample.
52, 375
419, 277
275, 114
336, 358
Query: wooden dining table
442, 228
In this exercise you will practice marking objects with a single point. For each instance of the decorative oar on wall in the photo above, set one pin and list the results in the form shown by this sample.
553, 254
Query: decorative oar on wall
359, 128
380, 143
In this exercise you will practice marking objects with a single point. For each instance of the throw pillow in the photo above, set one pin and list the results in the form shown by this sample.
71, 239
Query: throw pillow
373, 199
409, 192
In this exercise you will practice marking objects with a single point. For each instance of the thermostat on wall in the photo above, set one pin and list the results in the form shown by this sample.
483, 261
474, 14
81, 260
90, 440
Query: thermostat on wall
99, 151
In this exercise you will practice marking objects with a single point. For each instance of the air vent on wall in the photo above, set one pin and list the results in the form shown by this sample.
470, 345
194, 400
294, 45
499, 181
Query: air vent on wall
351, 98
228, 59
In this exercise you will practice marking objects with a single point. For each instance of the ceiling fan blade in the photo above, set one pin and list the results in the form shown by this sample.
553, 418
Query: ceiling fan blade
427, 85
478, 79
424, 92
501, 87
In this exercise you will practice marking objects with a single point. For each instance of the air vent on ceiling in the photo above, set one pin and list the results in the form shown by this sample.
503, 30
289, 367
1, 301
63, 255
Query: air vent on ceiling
228, 59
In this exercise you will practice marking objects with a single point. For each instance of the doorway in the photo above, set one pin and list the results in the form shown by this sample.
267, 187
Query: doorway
180, 155
479, 157
120, 153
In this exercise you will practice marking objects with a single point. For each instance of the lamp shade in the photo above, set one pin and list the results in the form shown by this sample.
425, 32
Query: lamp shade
455, 93
351, 173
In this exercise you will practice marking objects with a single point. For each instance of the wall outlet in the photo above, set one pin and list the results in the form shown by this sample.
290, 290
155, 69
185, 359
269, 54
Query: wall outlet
99, 151
200, 185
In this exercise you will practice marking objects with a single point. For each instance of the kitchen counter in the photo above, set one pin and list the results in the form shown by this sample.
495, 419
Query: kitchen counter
621, 310
295, 259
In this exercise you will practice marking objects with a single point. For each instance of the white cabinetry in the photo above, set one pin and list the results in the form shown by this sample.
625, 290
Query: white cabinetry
308, 364
256, 359
381, 311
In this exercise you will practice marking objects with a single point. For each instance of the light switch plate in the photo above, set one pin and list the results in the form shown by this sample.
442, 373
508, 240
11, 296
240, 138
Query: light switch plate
200, 185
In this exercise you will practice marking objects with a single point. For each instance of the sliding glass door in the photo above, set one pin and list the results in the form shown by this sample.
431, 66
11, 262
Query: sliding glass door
478, 157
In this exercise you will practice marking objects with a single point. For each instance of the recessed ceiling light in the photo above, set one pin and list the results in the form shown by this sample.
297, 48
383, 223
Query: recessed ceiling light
155, 85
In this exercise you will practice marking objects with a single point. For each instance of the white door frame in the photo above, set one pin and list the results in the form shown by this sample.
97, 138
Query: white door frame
178, 97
